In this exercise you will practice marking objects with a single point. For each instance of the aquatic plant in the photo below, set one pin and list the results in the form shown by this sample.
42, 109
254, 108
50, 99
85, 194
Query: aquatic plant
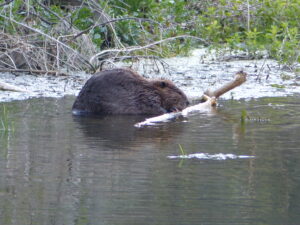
6, 124
6, 130
244, 116
3, 119
278, 86
182, 151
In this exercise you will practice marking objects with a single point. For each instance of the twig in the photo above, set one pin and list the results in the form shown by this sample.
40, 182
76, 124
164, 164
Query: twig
248, 16
52, 72
112, 21
49, 37
136, 48
52, 12
6, 3
42, 19
12, 61
137, 57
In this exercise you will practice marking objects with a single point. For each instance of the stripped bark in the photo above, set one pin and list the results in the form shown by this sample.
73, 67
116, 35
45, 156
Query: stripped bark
209, 102
10, 87
240, 78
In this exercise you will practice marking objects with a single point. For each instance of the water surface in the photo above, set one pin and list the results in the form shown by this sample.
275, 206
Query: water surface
60, 169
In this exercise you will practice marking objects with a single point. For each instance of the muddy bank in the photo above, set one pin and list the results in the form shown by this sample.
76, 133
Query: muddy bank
202, 71
41, 85
193, 74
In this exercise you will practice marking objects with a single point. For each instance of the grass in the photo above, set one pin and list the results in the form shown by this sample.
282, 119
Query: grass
6, 129
6, 124
277, 86
183, 152
244, 116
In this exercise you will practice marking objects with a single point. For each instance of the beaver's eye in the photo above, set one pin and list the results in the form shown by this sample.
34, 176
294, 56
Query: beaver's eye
174, 109
163, 84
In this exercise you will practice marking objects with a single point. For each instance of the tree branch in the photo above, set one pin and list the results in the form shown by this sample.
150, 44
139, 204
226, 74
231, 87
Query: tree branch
240, 78
6, 3
49, 37
137, 48
210, 102
52, 72
113, 21
9, 87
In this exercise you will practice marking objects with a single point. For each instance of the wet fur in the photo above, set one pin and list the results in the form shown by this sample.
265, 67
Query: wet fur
123, 91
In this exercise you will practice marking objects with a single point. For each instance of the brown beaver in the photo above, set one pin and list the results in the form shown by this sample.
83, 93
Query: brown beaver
123, 91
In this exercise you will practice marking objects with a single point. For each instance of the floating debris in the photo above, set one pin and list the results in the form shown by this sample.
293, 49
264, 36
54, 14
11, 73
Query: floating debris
219, 156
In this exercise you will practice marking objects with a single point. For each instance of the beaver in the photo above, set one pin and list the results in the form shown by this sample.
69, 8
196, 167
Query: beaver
123, 91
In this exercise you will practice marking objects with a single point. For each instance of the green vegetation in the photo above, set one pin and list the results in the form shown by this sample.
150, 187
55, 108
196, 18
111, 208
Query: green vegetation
278, 86
244, 116
6, 130
182, 151
5, 124
257, 27
284, 76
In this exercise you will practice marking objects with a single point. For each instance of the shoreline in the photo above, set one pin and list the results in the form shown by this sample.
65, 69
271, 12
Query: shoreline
194, 75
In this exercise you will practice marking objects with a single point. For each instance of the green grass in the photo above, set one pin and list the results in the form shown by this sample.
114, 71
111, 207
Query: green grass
278, 86
5, 124
182, 151
6, 131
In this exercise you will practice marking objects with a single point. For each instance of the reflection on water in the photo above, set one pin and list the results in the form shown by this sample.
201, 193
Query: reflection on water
60, 169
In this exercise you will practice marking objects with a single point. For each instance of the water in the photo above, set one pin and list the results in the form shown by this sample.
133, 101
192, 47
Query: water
60, 169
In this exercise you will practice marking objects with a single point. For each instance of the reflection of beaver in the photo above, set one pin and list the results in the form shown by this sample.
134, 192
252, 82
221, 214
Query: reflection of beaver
112, 132
122, 91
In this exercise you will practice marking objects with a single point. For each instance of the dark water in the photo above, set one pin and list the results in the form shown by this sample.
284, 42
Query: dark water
58, 169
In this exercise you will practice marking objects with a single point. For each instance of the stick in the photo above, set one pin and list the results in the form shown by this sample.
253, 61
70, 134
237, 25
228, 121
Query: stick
51, 72
113, 21
201, 107
50, 38
6, 3
240, 77
136, 48
209, 102
9, 87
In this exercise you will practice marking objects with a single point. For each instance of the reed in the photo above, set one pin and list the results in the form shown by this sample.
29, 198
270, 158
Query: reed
5, 123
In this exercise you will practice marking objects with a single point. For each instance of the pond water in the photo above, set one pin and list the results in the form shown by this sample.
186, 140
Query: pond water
59, 169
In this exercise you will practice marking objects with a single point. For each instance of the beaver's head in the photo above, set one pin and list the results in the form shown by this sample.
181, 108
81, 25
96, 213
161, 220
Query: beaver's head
172, 98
